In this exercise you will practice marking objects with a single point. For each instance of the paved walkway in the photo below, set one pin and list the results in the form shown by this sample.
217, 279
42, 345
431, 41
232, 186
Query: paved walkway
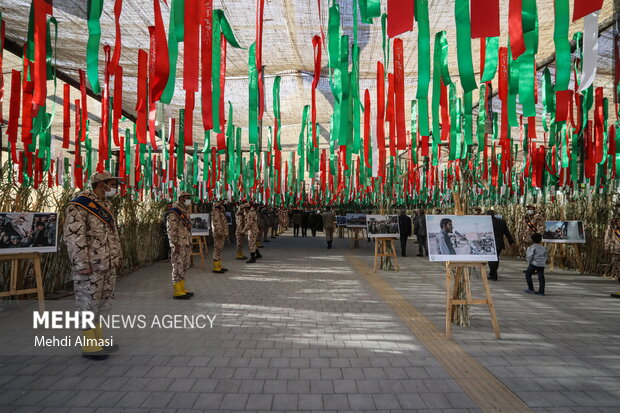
310, 329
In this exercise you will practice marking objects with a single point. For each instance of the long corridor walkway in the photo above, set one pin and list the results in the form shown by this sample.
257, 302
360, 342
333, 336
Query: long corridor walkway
310, 329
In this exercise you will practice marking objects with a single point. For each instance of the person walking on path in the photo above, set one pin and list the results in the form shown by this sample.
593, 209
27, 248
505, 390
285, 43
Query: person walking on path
179, 230
404, 224
500, 230
329, 225
419, 229
220, 233
536, 257
239, 234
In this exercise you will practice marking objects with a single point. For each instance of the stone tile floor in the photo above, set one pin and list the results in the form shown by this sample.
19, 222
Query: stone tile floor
302, 331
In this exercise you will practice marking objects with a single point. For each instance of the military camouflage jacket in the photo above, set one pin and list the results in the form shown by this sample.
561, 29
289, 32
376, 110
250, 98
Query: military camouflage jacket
91, 242
612, 237
179, 234
219, 223
240, 219
532, 224
251, 221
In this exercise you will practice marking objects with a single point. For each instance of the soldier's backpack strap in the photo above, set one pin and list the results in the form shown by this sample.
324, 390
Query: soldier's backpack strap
93, 207
182, 216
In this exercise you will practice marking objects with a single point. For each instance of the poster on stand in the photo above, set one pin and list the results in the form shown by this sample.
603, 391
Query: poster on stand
356, 220
382, 226
23, 232
564, 232
201, 224
460, 238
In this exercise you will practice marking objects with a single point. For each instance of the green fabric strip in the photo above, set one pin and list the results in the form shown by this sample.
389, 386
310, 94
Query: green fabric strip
173, 55
95, 7
562, 45
463, 45
253, 91
226, 29
490, 59
216, 62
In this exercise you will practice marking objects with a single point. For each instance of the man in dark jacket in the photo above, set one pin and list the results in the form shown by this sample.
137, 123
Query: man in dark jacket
305, 222
500, 230
404, 223
419, 230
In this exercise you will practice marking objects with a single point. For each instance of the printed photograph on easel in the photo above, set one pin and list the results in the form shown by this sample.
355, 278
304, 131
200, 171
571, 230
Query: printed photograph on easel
356, 220
460, 238
564, 232
22, 232
382, 226
341, 221
201, 224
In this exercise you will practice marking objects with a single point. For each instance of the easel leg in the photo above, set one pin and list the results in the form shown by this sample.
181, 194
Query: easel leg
489, 298
448, 302
394, 255
376, 254
455, 291
39, 281
202, 254
578, 258
13, 280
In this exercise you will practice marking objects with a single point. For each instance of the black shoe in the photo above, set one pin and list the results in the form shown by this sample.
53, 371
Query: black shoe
539, 293
96, 355
252, 258
404, 255
266, 240
258, 255
111, 349
492, 279
182, 297
190, 293
420, 255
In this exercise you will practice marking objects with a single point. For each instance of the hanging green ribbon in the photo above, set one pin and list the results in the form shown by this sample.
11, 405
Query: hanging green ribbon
468, 119
562, 45
333, 36
414, 132
370, 9
385, 42
226, 28
216, 62
424, 64
490, 59
173, 52
527, 62
276, 108
253, 87
95, 7
440, 72
463, 45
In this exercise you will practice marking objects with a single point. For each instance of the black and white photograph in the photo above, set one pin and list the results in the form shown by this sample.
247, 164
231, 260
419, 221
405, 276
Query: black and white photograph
564, 232
341, 221
201, 224
28, 232
460, 238
382, 226
356, 220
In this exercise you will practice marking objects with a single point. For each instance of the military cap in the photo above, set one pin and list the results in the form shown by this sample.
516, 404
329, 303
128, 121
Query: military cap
102, 177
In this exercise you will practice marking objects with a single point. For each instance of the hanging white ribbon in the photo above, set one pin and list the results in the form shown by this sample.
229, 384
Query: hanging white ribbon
590, 50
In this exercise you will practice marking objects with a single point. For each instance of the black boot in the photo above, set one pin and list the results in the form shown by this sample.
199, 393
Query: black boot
329, 245
258, 255
252, 258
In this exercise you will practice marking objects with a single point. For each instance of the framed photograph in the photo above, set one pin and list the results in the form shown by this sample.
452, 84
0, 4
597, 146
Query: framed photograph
564, 232
22, 232
382, 226
201, 224
460, 238
356, 220
341, 221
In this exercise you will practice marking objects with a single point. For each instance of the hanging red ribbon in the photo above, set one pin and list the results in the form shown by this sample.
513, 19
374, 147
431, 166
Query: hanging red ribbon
399, 94
515, 28
563, 99
380, 108
599, 126
260, 9
152, 106
399, 17
84, 100
117, 110
39, 75
188, 122
206, 40
2, 31
445, 111
191, 45
116, 56
585, 7
484, 18
105, 104
389, 115
27, 114
66, 116
316, 44
367, 128
221, 137
141, 104
77, 161
162, 62
14, 105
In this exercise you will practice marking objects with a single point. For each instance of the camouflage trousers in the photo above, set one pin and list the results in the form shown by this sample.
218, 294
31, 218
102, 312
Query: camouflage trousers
329, 234
252, 240
218, 246
615, 266
180, 257
239, 235
265, 233
95, 292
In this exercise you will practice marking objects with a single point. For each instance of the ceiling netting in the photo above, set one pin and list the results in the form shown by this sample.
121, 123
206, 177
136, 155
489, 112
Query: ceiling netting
289, 26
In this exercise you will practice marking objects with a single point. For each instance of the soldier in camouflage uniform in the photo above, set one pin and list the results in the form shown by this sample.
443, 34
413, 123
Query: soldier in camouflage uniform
240, 222
95, 255
251, 228
220, 233
612, 243
273, 219
179, 230
532, 223
260, 220
267, 226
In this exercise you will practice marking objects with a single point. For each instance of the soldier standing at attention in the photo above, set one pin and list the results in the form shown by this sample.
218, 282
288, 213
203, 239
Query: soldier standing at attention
179, 229
220, 233
329, 224
251, 228
239, 234
532, 223
95, 255
260, 219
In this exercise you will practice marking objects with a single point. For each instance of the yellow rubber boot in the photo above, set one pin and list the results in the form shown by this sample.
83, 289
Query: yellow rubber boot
217, 267
99, 335
184, 290
179, 294
240, 255
90, 347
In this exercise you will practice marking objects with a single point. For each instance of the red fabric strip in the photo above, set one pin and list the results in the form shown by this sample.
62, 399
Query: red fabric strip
367, 109
151, 85
27, 115
162, 61
2, 31
116, 56
103, 150
599, 126
84, 111
515, 28
445, 112
584, 7
380, 107
40, 64
191, 45
188, 122
316, 44
171, 150
77, 160
221, 138
66, 116
14, 105
141, 104
260, 9
503, 74
400, 17
117, 110
206, 42
399, 91
484, 18
562, 99
105, 110
389, 115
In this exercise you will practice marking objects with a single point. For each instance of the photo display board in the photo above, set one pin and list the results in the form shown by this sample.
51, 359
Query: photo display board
201, 224
22, 232
564, 232
382, 226
356, 220
460, 238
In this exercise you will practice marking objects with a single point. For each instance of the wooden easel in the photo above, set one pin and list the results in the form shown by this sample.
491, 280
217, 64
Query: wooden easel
201, 242
384, 247
13, 291
461, 273
341, 232
559, 251
355, 235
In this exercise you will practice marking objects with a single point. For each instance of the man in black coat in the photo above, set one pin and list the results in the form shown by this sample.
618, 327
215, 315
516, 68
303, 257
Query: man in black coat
419, 229
404, 223
500, 230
